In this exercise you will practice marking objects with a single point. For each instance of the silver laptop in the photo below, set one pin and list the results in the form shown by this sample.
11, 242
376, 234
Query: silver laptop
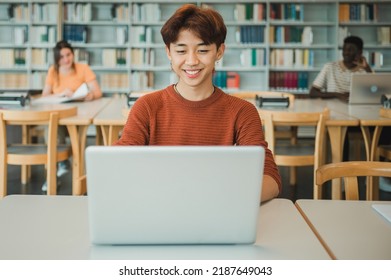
367, 88
174, 194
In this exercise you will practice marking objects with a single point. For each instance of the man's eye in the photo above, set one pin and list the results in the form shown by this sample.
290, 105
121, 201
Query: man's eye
180, 52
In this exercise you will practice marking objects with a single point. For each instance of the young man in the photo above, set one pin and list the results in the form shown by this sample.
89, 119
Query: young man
334, 79
194, 111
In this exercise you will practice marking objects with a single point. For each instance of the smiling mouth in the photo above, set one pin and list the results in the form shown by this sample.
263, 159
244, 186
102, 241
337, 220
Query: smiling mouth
192, 72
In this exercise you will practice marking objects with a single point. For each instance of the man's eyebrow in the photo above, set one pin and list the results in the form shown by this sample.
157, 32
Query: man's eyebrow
184, 45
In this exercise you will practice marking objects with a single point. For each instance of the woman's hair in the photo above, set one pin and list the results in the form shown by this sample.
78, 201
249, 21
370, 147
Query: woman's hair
57, 55
205, 23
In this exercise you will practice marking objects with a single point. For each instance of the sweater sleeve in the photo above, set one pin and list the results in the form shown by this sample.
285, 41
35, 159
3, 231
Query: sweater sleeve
250, 132
136, 129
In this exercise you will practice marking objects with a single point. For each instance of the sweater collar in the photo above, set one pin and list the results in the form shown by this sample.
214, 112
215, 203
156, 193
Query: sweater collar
194, 104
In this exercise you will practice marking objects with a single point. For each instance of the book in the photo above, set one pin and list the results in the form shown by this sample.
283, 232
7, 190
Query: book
80, 93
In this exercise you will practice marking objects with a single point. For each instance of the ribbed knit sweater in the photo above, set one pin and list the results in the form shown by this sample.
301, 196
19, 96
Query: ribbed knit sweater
165, 118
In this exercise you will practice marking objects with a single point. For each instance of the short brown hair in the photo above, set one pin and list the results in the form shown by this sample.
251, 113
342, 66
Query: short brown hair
206, 23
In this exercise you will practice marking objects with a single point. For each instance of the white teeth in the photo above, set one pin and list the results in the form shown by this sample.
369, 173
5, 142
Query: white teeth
192, 72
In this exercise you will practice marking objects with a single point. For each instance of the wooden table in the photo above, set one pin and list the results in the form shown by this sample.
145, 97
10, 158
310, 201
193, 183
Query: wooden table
56, 227
369, 116
112, 119
349, 229
77, 128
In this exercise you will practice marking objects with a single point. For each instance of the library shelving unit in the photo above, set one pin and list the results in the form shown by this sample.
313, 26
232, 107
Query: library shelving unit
270, 45
28, 31
14, 21
99, 32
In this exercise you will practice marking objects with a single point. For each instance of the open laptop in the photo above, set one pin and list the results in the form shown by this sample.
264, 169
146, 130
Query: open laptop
174, 194
367, 88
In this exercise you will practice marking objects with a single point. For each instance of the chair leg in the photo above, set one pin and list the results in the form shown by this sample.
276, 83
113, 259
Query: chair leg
3, 179
292, 176
51, 177
25, 173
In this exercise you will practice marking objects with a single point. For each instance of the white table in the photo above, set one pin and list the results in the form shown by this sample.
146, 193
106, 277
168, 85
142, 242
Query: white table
56, 227
349, 229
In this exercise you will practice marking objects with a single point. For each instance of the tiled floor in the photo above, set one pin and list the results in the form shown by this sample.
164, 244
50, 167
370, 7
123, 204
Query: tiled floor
304, 188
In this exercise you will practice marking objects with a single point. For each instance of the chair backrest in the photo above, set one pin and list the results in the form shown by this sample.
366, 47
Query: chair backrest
31, 118
273, 119
350, 171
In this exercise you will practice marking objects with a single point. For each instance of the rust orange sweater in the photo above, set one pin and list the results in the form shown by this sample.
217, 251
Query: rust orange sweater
166, 118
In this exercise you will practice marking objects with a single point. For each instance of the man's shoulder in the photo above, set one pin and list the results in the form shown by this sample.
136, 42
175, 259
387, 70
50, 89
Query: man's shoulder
332, 65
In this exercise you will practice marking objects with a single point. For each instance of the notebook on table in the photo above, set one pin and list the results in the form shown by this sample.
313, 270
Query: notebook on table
367, 88
174, 194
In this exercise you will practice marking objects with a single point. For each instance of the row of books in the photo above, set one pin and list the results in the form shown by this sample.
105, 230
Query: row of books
12, 57
291, 34
292, 58
44, 12
82, 55
75, 33
77, 12
142, 80
37, 80
18, 12
38, 34
142, 34
13, 81
384, 35
250, 12
226, 79
143, 57
252, 34
41, 57
114, 57
357, 12
287, 11
121, 13
79, 34
375, 59
252, 57
288, 81
149, 12
114, 80
20, 35
43, 34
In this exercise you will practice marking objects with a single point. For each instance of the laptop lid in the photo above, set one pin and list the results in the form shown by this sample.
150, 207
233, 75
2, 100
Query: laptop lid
367, 88
174, 194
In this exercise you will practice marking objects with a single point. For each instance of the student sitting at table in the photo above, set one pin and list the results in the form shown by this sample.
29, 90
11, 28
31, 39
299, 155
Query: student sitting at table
335, 77
62, 79
194, 111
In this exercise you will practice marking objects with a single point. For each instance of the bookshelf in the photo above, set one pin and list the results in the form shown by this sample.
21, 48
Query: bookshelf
270, 45
371, 21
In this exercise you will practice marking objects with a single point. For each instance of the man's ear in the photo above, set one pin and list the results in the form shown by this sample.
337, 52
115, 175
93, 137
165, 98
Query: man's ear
168, 53
220, 51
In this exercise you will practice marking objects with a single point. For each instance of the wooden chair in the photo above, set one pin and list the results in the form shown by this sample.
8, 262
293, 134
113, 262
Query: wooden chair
281, 132
350, 171
298, 154
33, 154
